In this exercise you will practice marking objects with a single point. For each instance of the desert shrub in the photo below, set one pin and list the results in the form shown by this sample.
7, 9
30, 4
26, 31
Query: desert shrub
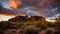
31, 31
4, 25
1, 31
50, 24
42, 25
57, 32
53, 24
48, 31
13, 26
29, 23
58, 24
16, 25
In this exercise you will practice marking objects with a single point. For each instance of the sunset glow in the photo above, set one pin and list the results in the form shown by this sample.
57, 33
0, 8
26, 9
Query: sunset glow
45, 8
5, 18
15, 4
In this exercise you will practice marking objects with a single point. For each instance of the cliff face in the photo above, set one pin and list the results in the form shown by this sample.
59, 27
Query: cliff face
26, 18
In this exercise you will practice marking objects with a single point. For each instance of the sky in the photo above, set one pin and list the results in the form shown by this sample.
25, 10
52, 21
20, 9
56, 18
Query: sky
5, 18
46, 8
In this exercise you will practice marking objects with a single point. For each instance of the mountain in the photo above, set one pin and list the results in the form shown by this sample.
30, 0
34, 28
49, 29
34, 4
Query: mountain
27, 18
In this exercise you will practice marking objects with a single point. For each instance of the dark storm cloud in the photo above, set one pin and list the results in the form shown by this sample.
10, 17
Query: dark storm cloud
36, 3
5, 3
6, 11
33, 7
54, 3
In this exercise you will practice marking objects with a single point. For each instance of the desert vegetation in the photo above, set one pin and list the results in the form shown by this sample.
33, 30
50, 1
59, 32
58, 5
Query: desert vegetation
30, 27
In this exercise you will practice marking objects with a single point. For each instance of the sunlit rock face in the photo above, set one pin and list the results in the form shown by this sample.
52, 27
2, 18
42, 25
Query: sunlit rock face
27, 18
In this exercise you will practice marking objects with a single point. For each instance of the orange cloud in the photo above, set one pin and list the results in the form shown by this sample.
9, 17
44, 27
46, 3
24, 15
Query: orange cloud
8, 14
15, 3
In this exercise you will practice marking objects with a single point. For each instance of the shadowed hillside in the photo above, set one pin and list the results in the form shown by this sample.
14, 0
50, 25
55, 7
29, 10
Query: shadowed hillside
29, 25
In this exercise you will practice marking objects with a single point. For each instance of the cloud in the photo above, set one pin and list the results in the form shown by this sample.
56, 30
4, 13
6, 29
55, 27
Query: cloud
54, 3
15, 3
5, 17
6, 11
45, 8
